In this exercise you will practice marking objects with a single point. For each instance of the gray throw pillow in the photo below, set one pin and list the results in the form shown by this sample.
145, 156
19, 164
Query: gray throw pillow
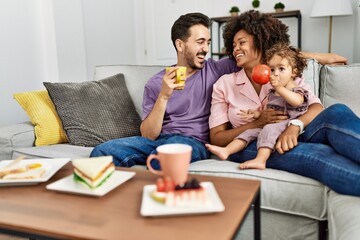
93, 112
340, 84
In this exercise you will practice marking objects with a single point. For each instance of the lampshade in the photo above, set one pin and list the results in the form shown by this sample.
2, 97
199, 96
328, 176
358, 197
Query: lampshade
326, 8
330, 8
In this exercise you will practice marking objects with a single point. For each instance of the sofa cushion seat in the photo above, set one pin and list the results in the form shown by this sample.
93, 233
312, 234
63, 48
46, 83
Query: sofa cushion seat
53, 151
280, 191
343, 216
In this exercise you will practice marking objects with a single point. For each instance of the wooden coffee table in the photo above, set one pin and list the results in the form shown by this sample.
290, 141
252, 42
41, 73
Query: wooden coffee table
35, 212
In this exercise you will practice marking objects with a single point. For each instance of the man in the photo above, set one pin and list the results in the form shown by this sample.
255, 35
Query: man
180, 116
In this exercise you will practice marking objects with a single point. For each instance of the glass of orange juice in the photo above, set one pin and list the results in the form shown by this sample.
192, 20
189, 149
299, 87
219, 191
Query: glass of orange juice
180, 76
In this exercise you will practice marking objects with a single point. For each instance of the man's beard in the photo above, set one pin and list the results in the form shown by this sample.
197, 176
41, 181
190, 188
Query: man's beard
189, 58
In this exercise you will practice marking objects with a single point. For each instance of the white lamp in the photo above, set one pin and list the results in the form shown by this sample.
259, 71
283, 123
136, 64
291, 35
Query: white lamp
330, 8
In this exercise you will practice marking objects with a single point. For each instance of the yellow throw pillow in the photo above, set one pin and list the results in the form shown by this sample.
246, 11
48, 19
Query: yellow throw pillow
42, 114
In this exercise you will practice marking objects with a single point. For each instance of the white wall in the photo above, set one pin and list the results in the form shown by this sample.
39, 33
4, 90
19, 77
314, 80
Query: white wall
357, 32
314, 30
23, 54
59, 40
109, 28
62, 40
70, 40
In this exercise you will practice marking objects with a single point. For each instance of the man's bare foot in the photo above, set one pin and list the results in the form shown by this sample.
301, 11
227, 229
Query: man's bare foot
254, 164
220, 152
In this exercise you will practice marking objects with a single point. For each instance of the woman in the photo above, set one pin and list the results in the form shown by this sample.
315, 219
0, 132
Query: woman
286, 66
316, 153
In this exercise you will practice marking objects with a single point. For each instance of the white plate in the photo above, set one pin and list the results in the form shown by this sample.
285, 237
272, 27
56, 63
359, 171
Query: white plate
51, 165
68, 184
150, 207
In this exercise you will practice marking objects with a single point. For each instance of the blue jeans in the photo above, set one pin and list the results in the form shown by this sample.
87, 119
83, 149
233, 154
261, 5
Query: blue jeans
130, 151
328, 151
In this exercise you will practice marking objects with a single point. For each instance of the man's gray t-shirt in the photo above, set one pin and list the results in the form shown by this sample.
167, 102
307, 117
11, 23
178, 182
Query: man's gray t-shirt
188, 110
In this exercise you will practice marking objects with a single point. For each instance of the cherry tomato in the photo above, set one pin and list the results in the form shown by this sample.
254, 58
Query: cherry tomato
160, 185
261, 74
169, 184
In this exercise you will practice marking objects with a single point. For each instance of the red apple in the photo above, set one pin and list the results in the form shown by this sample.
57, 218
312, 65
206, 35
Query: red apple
261, 74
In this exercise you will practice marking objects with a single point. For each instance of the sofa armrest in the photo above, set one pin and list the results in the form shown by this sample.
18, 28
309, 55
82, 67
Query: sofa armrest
15, 136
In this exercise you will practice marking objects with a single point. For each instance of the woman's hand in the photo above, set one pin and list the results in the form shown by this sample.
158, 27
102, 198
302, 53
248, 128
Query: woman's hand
270, 116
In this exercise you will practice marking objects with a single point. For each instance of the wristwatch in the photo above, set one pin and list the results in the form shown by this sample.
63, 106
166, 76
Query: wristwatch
299, 123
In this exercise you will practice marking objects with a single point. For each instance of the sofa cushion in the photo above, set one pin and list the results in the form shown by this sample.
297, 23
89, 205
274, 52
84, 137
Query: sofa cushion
311, 75
13, 136
93, 112
136, 76
343, 216
280, 191
53, 151
42, 114
339, 84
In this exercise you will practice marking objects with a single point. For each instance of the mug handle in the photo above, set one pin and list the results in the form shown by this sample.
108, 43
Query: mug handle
148, 161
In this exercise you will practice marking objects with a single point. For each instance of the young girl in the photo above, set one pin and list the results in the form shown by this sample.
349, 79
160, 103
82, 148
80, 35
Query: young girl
286, 65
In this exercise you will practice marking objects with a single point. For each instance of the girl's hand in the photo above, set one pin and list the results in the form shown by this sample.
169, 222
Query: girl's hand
275, 81
248, 114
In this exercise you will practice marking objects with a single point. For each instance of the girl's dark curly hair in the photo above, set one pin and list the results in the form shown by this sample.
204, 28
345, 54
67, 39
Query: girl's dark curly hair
291, 53
265, 29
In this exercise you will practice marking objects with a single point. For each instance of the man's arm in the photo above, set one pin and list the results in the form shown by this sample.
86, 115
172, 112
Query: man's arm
152, 124
325, 58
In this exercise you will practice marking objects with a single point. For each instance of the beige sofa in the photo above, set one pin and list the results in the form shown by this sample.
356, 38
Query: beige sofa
292, 206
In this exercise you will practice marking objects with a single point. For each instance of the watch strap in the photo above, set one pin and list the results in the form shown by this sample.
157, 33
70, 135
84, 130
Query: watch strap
297, 122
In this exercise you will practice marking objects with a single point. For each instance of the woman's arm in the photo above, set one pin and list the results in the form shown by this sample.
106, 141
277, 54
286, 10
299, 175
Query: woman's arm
288, 139
325, 58
223, 134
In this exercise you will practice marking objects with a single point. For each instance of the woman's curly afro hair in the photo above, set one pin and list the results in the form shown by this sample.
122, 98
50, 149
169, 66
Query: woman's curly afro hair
265, 29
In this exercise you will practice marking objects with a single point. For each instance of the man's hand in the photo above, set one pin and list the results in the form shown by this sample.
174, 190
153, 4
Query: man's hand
326, 58
168, 83
288, 139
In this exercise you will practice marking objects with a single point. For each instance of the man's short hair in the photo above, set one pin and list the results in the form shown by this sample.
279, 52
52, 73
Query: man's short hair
180, 29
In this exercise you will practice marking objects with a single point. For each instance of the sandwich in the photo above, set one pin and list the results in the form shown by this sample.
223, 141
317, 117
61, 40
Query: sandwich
93, 172
13, 169
28, 174
17, 170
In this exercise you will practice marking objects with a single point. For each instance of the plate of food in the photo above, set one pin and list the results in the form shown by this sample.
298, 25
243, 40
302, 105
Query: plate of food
29, 171
192, 198
92, 176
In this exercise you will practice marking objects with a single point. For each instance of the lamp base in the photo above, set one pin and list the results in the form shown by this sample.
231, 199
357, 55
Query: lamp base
330, 33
